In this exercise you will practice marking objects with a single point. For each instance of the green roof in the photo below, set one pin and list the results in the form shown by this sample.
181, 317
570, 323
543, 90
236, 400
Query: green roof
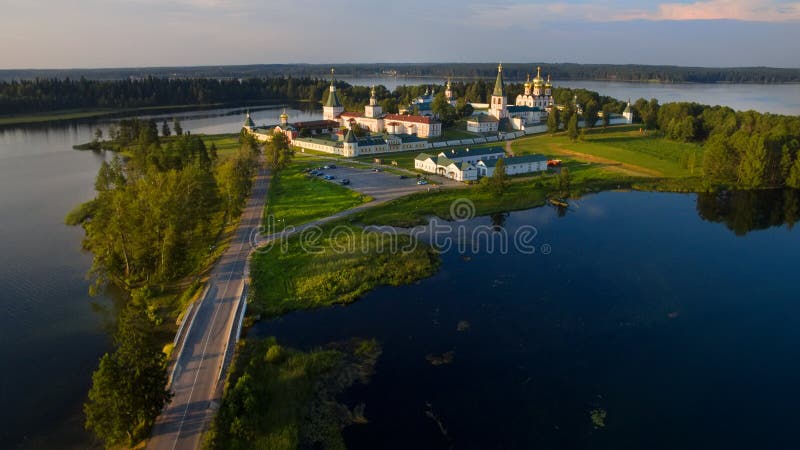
499, 88
423, 157
350, 137
333, 99
464, 152
515, 160
248, 122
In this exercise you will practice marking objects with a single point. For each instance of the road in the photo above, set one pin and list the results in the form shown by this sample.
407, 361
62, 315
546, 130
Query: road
198, 367
210, 330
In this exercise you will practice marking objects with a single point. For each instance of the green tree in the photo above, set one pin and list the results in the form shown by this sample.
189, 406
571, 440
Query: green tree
552, 120
564, 181
572, 127
754, 162
720, 160
463, 109
608, 109
793, 180
590, 111
176, 126
647, 112
277, 152
498, 182
165, 131
129, 387
443, 109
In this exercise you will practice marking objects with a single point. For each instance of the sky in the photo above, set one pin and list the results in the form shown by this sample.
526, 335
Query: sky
139, 33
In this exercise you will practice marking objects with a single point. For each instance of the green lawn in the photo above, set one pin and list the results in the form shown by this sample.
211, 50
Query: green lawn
295, 198
657, 156
343, 266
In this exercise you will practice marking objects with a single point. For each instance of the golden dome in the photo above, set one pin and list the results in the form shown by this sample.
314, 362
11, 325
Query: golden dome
528, 81
538, 81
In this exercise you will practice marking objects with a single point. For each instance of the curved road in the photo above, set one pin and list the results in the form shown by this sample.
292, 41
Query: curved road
197, 380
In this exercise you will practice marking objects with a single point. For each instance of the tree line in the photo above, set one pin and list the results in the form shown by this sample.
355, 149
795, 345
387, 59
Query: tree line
747, 149
41, 95
561, 71
156, 215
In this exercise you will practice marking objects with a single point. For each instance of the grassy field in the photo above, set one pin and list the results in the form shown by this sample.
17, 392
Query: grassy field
629, 151
283, 399
342, 266
295, 198
522, 193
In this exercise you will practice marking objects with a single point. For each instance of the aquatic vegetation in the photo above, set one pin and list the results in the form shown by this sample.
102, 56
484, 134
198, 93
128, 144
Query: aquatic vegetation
438, 360
598, 417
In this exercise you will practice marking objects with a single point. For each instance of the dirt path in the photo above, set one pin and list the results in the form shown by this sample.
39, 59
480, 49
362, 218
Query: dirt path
610, 164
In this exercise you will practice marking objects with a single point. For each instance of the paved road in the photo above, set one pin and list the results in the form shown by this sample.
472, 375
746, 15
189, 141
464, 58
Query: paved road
196, 378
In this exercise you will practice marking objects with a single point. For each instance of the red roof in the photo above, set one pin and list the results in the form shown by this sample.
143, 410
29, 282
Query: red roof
407, 118
351, 114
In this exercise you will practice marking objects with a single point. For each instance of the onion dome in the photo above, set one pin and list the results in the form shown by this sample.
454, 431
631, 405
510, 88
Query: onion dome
538, 81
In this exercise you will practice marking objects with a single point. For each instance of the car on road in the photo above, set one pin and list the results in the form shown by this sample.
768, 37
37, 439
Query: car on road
320, 174
403, 177
329, 177
329, 166
344, 181
377, 170
422, 182
312, 172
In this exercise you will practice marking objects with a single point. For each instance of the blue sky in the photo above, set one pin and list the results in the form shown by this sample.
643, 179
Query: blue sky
116, 33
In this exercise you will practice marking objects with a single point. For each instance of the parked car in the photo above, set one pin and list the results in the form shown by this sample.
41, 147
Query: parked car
422, 182
307, 170
331, 166
329, 177
320, 174
403, 177
344, 181
377, 170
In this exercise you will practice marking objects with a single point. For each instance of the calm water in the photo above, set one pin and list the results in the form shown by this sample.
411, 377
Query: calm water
684, 332
52, 331
775, 98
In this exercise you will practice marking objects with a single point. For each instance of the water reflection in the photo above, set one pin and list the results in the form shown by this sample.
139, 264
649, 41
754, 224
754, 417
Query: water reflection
746, 211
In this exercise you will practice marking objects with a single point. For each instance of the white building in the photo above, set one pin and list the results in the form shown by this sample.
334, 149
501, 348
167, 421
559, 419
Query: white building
498, 106
542, 94
422, 126
482, 123
332, 107
628, 113
441, 165
514, 165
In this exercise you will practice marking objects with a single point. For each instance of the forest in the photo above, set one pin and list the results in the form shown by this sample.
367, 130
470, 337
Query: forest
561, 71
743, 149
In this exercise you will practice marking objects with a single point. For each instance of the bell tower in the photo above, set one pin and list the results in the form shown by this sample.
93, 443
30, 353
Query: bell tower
499, 105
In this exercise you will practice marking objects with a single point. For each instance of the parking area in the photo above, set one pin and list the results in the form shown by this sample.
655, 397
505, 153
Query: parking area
381, 185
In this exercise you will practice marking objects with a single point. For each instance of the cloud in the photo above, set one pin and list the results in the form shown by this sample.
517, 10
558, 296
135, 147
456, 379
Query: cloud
529, 14
743, 10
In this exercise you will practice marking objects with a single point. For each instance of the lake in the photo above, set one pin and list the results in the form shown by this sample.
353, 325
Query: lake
774, 98
53, 332
680, 329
